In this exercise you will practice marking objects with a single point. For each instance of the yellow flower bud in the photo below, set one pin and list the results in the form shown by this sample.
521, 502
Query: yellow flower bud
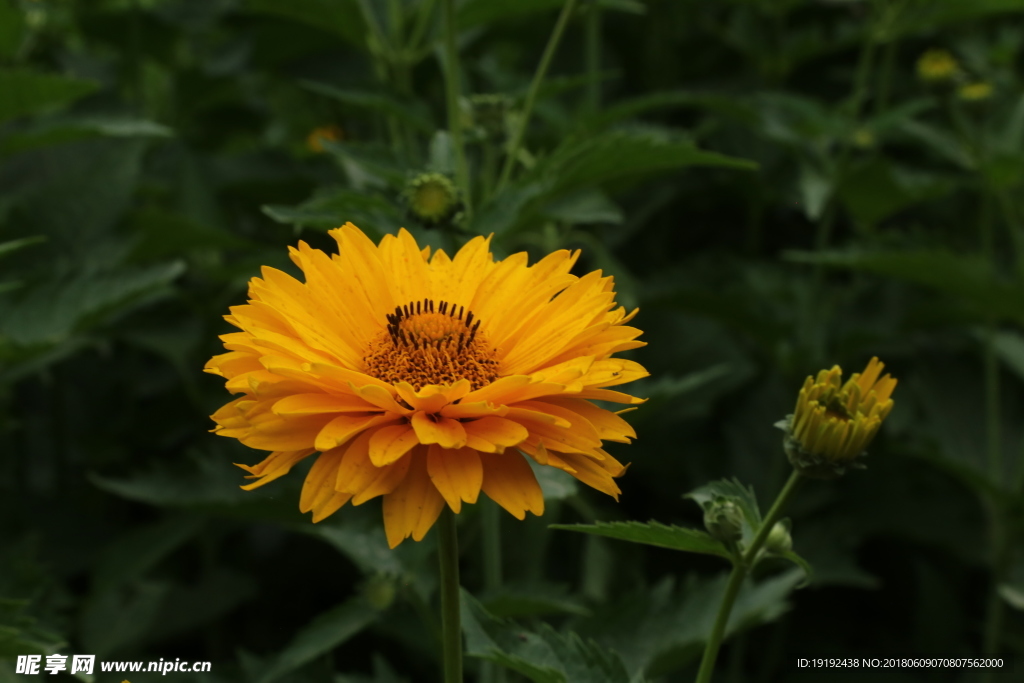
834, 422
935, 66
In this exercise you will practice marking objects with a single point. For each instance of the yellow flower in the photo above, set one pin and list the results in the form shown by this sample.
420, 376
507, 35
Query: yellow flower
315, 140
833, 423
426, 379
432, 197
975, 92
937, 65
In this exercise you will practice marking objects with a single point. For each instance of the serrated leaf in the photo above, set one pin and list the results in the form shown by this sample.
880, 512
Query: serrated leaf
28, 92
659, 630
545, 656
734, 491
653, 533
323, 634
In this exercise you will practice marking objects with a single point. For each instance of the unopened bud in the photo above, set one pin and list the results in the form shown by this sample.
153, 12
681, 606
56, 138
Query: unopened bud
724, 520
779, 540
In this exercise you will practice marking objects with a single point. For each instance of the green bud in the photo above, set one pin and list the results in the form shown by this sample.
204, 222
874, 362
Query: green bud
432, 198
379, 591
724, 520
779, 540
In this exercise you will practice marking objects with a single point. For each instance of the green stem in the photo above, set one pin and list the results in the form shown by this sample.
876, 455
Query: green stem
451, 630
491, 521
451, 82
531, 94
740, 567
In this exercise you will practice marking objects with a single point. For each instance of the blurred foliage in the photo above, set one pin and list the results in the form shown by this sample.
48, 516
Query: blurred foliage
768, 180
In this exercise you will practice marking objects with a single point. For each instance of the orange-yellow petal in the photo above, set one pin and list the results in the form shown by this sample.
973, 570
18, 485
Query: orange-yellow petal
494, 434
457, 474
412, 508
344, 427
509, 482
444, 431
318, 494
388, 444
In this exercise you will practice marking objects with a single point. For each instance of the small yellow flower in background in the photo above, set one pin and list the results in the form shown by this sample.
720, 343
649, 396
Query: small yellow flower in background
975, 92
937, 65
863, 138
315, 140
432, 197
833, 422
426, 379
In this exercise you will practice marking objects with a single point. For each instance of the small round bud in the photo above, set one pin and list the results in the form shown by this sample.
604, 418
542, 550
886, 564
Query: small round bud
432, 198
724, 520
379, 591
779, 539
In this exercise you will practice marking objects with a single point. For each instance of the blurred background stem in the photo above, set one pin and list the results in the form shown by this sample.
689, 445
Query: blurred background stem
531, 94
451, 83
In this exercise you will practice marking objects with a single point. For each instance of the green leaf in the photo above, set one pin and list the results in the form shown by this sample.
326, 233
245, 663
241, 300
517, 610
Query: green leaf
803, 564
341, 17
323, 634
623, 153
815, 191
964, 275
661, 629
653, 533
49, 313
412, 112
532, 600
132, 555
585, 206
877, 189
332, 208
1009, 346
545, 656
12, 246
29, 92
579, 164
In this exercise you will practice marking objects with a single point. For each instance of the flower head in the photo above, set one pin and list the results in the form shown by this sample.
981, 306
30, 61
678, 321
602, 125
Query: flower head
935, 66
315, 140
432, 198
975, 92
833, 422
425, 379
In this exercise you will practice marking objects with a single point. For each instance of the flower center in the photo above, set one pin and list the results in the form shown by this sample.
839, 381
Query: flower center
432, 344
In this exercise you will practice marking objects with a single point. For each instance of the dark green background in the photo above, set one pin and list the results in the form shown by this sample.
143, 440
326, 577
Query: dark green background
769, 181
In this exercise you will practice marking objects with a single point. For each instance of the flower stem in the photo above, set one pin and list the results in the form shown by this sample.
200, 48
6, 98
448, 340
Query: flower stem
451, 82
531, 94
740, 567
491, 672
451, 630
